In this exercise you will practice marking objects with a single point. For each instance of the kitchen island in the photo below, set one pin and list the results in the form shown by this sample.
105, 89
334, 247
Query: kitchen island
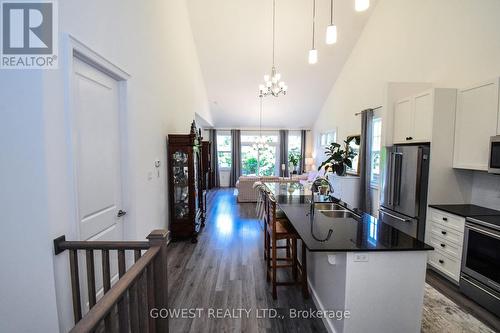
357, 263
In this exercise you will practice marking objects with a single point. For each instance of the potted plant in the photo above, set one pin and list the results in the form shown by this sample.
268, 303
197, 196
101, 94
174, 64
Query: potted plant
338, 159
294, 160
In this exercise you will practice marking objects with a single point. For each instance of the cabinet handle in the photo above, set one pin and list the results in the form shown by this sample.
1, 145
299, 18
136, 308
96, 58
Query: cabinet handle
443, 232
441, 261
443, 245
445, 219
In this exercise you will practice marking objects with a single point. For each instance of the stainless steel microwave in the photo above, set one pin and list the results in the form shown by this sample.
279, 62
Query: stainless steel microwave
494, 163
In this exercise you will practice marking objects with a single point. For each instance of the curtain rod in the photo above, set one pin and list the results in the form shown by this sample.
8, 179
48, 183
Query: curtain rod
358, 113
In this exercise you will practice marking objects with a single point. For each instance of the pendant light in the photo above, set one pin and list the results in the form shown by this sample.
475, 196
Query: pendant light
260, 142
313, 53
361, 5
273, 84
331, 30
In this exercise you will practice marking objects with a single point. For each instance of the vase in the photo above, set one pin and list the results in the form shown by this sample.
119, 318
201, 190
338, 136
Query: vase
340, 169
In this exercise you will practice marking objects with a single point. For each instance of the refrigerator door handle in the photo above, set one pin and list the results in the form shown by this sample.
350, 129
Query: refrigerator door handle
396, 191
394, 216
391, 179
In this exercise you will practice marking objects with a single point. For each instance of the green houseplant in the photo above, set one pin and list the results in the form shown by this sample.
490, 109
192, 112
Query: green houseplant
294, 159
338, 159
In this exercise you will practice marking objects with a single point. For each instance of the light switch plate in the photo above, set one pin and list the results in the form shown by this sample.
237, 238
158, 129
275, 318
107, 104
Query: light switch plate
361, 257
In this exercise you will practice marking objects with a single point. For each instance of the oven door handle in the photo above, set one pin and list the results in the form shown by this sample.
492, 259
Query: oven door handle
482, 231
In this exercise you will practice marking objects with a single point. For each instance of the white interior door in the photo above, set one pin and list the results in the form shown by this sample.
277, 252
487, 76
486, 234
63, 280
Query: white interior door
99, 188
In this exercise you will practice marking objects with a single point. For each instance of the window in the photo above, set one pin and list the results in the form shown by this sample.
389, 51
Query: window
294, 150
224, 149
327, 137
354, 147
375, 154
255, 161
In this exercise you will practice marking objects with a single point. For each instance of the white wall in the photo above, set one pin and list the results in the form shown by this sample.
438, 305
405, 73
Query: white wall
152, 41
450, 43
27, 301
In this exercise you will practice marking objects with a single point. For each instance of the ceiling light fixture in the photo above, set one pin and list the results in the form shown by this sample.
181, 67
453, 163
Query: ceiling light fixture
313, 53
361, 5
273, 84
260, 143
331, 30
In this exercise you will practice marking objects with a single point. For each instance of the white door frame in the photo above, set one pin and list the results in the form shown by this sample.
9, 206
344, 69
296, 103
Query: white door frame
73, 48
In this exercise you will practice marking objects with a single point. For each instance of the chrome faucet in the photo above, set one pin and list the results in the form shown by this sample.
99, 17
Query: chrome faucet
319, 181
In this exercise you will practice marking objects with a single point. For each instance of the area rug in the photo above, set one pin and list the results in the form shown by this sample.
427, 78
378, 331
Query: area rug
440, 314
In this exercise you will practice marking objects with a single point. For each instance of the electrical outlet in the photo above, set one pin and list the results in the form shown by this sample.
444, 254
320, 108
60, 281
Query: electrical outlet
361, 257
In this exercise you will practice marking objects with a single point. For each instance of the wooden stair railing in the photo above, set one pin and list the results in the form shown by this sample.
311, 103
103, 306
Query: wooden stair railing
125, 306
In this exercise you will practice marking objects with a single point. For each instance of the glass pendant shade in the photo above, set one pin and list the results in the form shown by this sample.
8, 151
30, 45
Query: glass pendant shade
331, 34
313, 56
361, 5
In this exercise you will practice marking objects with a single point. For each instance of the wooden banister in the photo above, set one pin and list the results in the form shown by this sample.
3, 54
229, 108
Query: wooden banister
126, 305
61, 244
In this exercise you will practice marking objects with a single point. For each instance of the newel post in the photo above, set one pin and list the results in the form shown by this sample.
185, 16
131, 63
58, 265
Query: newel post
159, 238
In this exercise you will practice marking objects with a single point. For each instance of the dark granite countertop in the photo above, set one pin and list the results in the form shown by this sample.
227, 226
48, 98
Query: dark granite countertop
362, 232
466, 210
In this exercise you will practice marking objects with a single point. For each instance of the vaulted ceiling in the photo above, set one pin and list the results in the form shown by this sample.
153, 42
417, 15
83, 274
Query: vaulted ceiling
234, 45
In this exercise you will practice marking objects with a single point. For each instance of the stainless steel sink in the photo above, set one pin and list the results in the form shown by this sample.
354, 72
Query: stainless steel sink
343, 214
327, 206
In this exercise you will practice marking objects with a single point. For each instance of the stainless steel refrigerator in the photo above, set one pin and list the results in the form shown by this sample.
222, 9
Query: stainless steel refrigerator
404, 188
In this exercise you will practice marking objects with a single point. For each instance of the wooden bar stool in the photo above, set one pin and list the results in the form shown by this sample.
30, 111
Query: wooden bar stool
264, 195
277, 227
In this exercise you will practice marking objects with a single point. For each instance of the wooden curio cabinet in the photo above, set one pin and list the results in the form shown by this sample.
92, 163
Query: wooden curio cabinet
185, 184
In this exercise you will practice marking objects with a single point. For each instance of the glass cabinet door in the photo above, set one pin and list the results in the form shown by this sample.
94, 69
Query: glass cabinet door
196, 185
180, 173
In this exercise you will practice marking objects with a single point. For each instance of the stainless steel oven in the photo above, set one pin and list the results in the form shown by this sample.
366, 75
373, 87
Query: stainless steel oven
494, 162
480, 274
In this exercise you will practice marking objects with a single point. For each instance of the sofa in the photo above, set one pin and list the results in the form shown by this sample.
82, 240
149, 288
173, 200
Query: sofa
247, 192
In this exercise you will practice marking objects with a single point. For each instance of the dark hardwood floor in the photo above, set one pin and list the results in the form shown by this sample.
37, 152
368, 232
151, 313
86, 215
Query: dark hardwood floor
225, 270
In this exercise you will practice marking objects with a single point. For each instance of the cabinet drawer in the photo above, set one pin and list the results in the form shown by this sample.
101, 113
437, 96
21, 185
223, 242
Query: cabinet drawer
449, 220
444, 264
446, 233
447, 247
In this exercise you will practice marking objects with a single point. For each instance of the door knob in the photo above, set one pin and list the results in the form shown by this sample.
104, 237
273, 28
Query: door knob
121, 213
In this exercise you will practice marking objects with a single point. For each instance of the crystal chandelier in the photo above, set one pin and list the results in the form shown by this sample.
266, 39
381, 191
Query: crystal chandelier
260, 142
273, 84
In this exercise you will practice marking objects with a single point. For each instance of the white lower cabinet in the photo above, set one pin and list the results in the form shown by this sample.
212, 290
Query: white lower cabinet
445, 232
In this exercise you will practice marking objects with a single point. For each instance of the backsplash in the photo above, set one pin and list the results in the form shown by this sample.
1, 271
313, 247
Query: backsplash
486, 190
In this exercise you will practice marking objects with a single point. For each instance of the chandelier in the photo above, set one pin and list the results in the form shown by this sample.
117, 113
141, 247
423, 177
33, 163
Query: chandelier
273, 84
260, 142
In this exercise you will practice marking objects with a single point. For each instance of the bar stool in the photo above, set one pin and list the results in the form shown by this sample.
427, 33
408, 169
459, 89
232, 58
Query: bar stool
279, 228
261, 193
264, 213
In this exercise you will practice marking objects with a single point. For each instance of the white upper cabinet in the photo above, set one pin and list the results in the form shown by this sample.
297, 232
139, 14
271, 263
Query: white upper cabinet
413, 117
477, 119
422, 116
403, 119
